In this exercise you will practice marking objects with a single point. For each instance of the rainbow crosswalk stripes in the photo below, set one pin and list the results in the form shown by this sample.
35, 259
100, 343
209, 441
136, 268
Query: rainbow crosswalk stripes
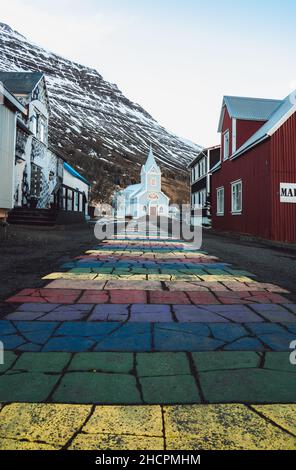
138, 343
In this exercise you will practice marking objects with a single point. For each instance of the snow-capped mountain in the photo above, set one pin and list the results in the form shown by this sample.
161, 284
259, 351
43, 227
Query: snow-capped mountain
102, 132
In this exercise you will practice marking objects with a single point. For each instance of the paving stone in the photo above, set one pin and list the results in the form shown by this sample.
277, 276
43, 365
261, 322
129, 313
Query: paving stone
125, 297
291, 327
104, 362
7, 328
26, 387
262, 328
124, 420
248, 386
202, 298
39, 308
92, 387
29, 347
245, 344
12, 444
42, 362
94, 297
36, 332
76, 284
236, 313
11, 342
52, 296
110, 312
70, 276
150, 313
282, 415
69, 344
207, 361
278, 341
85, 329
275, 313
163, 297
133, 285
170, 389
161, 364
228, 332
68, 313
195, 314
25, 316
8, 359
130, 337
291, 306
51, 423
228, 427
116, 442
184, 337
279, 361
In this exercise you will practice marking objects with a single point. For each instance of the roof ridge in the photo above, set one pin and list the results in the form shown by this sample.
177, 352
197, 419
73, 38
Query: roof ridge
252, 98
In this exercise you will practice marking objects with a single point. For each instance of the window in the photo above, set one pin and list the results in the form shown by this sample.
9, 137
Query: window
236, 197
34, 124
226, 145
42, 131
220, 201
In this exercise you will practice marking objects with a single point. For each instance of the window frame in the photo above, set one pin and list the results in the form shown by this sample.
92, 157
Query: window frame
220, 190
42, 131
235, 210
226, 133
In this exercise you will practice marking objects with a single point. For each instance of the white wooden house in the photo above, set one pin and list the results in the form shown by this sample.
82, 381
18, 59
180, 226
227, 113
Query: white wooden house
39, 171
9, 107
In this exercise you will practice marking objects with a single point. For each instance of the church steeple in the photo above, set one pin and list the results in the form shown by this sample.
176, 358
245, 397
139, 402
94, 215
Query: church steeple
151, 161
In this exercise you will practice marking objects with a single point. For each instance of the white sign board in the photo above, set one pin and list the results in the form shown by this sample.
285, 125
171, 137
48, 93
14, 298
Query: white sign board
288, 192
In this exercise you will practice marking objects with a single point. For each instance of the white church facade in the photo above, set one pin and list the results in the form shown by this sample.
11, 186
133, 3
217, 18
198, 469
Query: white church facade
145, 198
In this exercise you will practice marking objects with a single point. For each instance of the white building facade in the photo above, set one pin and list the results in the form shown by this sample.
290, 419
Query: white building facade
38, 177
145, 198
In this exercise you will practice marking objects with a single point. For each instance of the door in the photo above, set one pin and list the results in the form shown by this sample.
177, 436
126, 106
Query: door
36, 180
153, 211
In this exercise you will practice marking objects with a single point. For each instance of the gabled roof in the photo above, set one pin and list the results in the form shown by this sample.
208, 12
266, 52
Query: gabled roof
12, 100
133, 187
201, 154
281, 114
21, 82
250, 109
75, 173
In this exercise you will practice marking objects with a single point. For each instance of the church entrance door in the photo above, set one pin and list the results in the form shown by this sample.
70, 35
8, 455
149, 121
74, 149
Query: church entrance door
153, 211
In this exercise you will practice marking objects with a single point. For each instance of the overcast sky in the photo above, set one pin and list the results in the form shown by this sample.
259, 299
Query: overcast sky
177, 58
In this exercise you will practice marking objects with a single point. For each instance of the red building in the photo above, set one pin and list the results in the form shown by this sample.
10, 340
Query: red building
254, 184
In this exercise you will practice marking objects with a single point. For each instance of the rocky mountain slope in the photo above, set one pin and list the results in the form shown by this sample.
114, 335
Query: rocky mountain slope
104, 134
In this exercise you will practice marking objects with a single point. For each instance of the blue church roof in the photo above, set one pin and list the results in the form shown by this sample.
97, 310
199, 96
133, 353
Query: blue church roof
75, 173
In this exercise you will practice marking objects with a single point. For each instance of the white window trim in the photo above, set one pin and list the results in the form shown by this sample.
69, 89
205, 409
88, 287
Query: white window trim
224, 135
237, 212
233, 135
221, 188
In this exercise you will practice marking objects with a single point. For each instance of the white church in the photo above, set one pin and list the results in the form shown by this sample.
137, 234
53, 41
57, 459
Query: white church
145, 198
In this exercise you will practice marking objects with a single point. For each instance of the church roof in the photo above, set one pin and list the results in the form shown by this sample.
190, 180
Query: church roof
150, 161
133, 187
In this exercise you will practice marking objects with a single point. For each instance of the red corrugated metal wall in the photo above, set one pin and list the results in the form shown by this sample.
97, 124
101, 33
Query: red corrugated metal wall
245, 129
254, 169
283, 154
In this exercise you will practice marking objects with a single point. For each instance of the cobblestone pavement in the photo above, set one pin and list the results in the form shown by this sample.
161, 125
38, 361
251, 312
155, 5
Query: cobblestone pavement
148, 344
